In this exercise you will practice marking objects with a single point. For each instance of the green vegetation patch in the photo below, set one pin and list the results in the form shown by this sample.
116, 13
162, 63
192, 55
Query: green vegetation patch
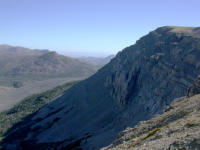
28, 106
151, 133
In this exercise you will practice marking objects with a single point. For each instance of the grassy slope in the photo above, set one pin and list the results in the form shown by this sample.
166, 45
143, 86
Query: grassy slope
28, 106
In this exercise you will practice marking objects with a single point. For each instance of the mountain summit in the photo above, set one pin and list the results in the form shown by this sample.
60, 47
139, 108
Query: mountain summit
136, 85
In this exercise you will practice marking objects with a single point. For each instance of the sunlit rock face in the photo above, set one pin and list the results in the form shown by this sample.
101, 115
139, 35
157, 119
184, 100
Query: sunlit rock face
137, 84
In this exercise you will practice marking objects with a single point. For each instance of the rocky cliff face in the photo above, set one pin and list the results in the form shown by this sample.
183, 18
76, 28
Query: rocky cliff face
177, 128
137, 84
195, 89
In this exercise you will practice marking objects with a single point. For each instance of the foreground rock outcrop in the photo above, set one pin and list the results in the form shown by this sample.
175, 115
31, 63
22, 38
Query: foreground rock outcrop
195, 89
136, 85
177, 128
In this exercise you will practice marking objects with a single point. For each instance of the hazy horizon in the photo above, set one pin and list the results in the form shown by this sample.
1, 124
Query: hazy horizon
89, 28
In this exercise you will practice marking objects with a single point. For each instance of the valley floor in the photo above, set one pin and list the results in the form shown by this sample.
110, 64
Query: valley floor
10, 96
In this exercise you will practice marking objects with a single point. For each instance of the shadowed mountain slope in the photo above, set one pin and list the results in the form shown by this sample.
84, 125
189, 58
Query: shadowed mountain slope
137, 84
29, 105
177, 128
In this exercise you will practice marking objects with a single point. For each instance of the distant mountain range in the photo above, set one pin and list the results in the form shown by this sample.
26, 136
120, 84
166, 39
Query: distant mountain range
136, 85
96, 61
19, 62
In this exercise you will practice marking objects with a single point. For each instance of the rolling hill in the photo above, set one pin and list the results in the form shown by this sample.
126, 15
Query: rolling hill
23, 63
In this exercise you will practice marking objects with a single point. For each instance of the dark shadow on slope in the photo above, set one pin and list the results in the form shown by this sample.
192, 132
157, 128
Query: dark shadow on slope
16, 137
17, 134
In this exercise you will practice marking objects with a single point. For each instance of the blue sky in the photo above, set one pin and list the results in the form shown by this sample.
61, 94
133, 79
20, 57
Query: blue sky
89, 27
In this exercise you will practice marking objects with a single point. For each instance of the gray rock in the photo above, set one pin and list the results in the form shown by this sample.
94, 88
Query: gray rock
195, 89
177, 128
